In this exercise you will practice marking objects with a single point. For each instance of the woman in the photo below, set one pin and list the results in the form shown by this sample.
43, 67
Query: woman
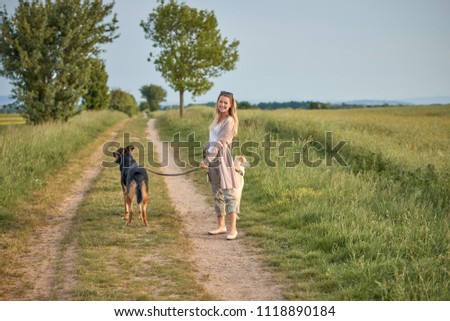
219, 162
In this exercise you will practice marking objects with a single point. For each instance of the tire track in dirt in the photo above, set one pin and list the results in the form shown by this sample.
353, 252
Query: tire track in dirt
227, 269
51, 261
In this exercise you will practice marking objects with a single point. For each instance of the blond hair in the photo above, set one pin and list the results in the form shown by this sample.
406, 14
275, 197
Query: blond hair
231, 112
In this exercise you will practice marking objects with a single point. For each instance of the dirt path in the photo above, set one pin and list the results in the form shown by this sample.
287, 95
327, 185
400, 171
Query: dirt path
228, 269
49, 257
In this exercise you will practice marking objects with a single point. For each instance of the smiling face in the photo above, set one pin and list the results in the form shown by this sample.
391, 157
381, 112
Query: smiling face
224, 105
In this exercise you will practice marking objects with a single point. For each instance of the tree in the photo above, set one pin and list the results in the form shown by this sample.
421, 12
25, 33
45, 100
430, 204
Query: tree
191, 47
124, 102
154, 95
143, 106
45, 50
246, 105
318, 105
97, 95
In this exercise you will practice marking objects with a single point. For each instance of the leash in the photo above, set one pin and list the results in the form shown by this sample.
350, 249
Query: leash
177, 174
184, 173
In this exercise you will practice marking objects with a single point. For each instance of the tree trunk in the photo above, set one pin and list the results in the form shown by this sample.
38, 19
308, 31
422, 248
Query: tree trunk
181, 103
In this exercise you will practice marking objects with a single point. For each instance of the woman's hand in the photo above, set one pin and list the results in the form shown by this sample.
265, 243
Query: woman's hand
203, 165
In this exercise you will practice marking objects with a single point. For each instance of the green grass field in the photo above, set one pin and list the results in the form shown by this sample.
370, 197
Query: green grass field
376, 229
112, 261
11, 120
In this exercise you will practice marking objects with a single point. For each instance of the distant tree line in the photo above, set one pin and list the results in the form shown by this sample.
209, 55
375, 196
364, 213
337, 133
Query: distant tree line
294, 105
303, 105
277, 105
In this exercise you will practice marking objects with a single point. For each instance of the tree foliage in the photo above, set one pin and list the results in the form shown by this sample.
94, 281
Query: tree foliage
191, 49
246, 105
154, 95
294, 105
143, 106
97, 95
45, 49
124, 102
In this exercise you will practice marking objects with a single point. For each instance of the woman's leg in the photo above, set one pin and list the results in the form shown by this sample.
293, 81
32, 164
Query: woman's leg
221, 228
231, 208
233, 230
219, 204
219, 207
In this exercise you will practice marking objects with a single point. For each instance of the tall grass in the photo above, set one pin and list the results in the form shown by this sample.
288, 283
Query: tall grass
376, 229
30, 153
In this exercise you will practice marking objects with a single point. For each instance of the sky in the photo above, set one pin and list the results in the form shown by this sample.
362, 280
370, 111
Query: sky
322, 50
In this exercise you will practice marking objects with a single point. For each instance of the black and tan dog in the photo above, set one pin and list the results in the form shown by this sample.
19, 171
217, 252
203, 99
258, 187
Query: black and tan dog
134, 180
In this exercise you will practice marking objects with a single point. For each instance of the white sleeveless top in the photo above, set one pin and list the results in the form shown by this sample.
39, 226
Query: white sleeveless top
214, 137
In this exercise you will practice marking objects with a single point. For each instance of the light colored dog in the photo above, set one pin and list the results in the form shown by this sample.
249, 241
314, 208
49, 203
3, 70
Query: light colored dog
240, 164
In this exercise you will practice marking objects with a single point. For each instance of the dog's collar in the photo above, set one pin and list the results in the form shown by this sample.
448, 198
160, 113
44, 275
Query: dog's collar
239, 172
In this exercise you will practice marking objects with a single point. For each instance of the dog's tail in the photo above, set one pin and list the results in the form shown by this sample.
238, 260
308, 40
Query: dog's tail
141, 187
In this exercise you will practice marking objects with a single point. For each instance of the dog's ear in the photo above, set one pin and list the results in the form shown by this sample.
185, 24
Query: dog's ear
130, 148
243, 161
118, 153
